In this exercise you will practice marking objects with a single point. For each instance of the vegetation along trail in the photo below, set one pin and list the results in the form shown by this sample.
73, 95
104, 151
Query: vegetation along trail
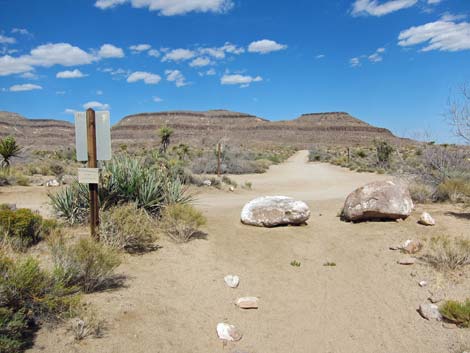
366, 303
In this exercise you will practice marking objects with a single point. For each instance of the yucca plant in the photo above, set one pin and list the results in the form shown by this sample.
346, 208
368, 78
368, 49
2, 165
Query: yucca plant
124, 180
8, 149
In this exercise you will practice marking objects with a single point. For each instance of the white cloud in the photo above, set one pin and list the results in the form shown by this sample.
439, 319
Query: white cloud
443, 35
355, 62
110, 51
30, 75
107, 4
178, 55
70, 111
210, 72
320, 56
70, 74
45, 55
6, 40
232, 48
265, 46
200, 62
60, 93
24, 87
434, 2
147, 77
172, 7
154, 52
380, 8
157, 99
238, 79
99, 92
375, 58
139, 48
177, 77
96, 105
22, 31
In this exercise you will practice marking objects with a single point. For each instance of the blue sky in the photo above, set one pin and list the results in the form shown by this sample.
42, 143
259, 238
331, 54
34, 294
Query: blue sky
392, 63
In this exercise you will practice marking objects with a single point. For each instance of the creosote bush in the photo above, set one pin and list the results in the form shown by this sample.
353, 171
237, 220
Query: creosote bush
128, 228
446, 253
29, 296
22, 228
87, 264
181, 222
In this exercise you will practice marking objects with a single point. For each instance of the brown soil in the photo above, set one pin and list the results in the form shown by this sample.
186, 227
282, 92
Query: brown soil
176, 296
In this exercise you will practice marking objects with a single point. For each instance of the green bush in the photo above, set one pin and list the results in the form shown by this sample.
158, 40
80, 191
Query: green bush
28, 297
181, 222
128, 228
456, 312
87, 264
20, 228
384, 152
22, 180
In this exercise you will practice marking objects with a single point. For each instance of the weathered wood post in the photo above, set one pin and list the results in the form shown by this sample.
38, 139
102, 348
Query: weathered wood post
92, 163
349, 154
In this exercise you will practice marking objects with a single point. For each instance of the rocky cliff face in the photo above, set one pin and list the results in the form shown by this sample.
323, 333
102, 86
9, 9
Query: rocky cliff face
204, 129
42, 134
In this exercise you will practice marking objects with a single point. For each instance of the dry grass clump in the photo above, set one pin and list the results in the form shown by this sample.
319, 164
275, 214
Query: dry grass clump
420, 192
87, 264
128, 228
447, 254
181, 222
86, 324
456, 312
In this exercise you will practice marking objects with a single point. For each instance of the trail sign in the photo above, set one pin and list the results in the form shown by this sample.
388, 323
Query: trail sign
88, 175
103, 136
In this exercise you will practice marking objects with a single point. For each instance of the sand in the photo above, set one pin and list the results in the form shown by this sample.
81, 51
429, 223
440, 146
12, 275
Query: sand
174, 297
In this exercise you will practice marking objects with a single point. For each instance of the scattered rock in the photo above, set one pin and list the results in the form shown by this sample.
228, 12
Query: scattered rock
39, 179
231, 189
271, 211
412, 246
426, 219
423, 283
10, 206
449, 325
247, 303
52, 183
207, 183
380, 200
407, 261
395, 247
228, 332
232, 281
68, 179
430, 311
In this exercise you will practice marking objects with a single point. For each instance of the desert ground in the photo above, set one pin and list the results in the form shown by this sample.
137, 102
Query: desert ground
175, 296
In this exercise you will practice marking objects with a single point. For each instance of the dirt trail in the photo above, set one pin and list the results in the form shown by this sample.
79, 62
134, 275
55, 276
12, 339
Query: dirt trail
367, 303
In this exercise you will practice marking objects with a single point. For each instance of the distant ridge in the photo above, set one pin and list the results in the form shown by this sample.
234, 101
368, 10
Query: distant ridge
205, 128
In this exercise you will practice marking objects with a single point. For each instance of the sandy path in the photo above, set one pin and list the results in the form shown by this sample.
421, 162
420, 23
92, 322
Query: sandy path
367, 303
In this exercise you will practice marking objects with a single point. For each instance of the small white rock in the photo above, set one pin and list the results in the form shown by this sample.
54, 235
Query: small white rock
423, 284
207, 183
228, 332
52, 183
231, 189
247, 303
430, 312
426, 219
232, 281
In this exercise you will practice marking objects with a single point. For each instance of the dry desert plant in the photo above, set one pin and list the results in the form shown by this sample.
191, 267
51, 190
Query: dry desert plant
445, 253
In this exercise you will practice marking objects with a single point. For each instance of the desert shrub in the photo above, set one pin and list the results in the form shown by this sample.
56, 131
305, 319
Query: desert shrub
454, 190
456, 312
228, 181
247, 185
56, 169
420, 192
29, 296
181, 222
445, 253
361, 154
317, 154
19, 228
86, 324
22, 180
86, 264
128, 228
124, 180
384, 153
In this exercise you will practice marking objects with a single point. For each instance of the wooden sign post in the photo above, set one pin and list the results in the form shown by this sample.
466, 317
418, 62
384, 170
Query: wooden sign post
218, 159
92, 163
93, 142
